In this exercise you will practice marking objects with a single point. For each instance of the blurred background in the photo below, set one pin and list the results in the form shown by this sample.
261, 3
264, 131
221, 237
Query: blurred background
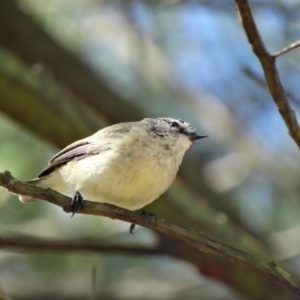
71, 67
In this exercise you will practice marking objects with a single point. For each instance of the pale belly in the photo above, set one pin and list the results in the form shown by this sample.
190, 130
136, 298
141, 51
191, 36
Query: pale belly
126, 182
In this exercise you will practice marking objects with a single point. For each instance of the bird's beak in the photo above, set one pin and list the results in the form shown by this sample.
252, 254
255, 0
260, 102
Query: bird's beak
194, 136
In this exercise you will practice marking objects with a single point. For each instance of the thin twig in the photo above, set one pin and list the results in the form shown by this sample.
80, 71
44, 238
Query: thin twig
192, 237
269, 67
287, 49
93, 283
260, 80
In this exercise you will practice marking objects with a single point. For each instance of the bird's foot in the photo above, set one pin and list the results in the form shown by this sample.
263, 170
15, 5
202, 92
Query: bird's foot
131, 228
148, 217
76, 201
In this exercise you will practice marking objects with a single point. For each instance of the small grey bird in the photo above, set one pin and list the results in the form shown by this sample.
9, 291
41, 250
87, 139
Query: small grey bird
128, 164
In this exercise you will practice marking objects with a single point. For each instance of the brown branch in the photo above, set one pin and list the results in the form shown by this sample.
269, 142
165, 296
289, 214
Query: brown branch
86, 245
192, 237
270, 71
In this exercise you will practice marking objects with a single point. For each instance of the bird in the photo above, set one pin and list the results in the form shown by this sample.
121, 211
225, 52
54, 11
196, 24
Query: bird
128, 164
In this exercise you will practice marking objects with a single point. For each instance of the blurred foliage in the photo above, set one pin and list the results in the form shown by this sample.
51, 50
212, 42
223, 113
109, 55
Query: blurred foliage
185, 59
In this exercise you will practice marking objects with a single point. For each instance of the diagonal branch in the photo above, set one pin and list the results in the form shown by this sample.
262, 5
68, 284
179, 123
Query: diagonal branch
269, 67
192, 237
34, 45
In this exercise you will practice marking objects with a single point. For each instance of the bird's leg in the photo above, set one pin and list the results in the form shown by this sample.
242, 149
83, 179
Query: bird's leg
76, 201
147, 215
131, 228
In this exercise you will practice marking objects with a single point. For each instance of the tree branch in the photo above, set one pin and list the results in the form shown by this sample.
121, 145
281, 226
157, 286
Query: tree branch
287, 49
41, 244
34, 45
269, 67
192, 237
210, 266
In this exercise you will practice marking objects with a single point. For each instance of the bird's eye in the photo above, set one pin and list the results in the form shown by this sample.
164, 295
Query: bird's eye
174, 124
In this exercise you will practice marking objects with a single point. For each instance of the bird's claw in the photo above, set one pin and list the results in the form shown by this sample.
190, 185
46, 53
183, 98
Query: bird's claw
76, 201
148, 217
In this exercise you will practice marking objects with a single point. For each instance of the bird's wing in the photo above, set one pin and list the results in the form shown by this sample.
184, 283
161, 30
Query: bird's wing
76, 150
99, 142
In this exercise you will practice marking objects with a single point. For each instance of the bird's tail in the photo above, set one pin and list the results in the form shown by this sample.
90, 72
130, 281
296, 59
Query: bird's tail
27, 199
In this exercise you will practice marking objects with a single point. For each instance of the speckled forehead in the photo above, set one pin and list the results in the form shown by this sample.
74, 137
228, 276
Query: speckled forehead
186, 124
181, 122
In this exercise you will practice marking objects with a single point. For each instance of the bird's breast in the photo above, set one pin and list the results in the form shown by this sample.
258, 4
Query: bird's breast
128, 179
